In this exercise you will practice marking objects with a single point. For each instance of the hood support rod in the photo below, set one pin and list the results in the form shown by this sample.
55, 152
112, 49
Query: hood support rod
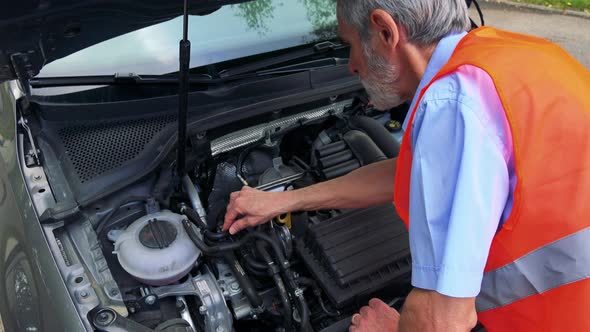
184, 59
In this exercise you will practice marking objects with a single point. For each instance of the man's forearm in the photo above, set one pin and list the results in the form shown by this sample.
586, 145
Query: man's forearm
426, 310
366, 186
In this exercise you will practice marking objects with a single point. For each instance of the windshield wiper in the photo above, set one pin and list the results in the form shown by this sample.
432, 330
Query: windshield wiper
256, 66
116, 79
243, 71
305, 66
203, 79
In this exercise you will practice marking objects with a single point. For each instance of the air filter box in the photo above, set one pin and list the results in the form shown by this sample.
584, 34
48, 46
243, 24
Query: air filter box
357, 253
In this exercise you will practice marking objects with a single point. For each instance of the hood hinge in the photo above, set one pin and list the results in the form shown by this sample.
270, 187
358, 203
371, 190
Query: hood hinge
24, 65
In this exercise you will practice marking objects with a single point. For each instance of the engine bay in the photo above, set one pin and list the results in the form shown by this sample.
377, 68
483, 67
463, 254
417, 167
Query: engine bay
152, 257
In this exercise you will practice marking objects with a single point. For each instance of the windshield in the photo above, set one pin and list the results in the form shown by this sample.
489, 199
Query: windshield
230, 33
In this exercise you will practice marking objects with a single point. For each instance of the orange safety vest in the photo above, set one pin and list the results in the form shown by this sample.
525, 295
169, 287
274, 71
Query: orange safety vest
537, 274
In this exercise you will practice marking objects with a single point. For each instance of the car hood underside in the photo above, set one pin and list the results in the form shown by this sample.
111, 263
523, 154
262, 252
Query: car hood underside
37, 32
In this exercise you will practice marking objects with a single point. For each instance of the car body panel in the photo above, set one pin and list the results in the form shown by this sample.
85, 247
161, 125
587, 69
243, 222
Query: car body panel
30, 281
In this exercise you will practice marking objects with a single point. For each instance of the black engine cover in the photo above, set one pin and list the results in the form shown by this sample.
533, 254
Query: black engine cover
357, 253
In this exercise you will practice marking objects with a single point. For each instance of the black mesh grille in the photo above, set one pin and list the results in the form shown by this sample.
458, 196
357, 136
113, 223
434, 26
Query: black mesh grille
98, 148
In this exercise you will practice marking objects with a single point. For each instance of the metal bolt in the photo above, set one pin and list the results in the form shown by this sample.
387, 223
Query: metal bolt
131, 310
114, 292
104, 318
201, 135
235, 286
84, 294
150, 299
37, 177
202, 310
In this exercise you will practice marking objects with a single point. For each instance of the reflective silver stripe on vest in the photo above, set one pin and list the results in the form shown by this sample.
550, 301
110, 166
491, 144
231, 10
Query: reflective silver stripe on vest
559, 263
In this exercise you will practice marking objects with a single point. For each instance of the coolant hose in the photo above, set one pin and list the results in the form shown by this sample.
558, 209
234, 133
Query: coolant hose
377, 132
303, 312
243, 280
297, 292
252, 262
222, 247
274, 271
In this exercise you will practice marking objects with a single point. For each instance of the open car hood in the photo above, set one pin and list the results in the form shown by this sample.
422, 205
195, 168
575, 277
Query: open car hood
37, 32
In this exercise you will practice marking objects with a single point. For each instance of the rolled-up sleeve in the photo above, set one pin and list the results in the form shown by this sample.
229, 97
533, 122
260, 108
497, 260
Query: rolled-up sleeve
459, 190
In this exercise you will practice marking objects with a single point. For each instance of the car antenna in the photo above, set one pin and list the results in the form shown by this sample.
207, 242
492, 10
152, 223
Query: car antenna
184, 60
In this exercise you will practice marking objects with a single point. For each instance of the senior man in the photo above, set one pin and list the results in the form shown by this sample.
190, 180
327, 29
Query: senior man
493, 177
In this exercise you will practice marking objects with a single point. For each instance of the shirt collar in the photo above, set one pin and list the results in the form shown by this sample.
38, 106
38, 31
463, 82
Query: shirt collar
442, 53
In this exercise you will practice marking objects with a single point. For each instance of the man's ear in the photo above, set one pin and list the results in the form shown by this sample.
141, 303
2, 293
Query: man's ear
384, 30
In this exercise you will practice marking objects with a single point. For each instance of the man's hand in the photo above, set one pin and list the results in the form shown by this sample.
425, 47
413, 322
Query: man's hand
370, 185
377, 316
250, 207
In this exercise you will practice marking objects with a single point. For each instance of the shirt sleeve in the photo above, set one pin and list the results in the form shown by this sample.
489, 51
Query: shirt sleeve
459, 190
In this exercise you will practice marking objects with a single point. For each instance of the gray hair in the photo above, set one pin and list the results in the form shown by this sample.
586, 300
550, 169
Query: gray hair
425, 21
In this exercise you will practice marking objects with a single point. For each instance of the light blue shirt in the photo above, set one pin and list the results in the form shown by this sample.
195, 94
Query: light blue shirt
462, 177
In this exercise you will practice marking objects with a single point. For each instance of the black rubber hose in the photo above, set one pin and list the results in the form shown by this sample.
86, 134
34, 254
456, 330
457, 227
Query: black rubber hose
252, 262
274, 271
243, 155
222, 247
325, 309
331, 149
243, 280
341, 169
254, 267
377, 132
318, 293
257, 273
273, 268
336, 158
363, 147
193, 216
216, 237
303, 312
292, 284
102, 224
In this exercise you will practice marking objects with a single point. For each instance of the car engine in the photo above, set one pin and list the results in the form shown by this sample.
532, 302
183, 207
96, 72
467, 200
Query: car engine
152, 257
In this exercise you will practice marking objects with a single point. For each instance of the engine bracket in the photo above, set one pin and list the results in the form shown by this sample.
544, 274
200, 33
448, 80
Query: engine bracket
214, 308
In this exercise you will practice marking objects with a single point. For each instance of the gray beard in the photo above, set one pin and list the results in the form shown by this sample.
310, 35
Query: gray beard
381, 81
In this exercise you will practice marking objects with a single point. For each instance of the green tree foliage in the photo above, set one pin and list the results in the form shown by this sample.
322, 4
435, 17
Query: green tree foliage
322, 15
256, 14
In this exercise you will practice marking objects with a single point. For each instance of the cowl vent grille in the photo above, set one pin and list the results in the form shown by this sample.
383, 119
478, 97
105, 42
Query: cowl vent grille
97, 148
